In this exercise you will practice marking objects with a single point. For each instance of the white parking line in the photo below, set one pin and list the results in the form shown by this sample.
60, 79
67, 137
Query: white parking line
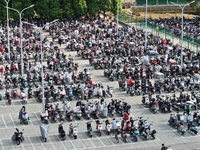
12, 120
52, 143
31, 143
61, 142
31, 122
36, 116
39, 137
4, 121
34, 99
73, 144
4, 102
88, 138
1, 144
100, 141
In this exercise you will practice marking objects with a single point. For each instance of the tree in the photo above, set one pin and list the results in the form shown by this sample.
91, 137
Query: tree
20, 5
66, 7
79, 7
2, 10
54, 9
105, 5
42, 8
195, 5
92, 6
116, 4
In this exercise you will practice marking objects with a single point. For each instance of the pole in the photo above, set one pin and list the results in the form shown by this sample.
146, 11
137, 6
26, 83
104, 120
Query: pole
20, 21
41, 62
42, 71
8, 30
182, 8
145, 46
117, 15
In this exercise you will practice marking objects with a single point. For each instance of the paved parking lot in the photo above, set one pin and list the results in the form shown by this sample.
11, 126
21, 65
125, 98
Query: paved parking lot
165, 134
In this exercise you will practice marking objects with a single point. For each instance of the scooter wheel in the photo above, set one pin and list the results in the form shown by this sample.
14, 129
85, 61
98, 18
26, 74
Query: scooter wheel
18, 142
134, 139
195, 132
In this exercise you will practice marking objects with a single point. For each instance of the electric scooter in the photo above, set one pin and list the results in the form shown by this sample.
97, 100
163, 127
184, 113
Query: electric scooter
73, 131
99, 127
61, 132
18, 136
108, 126
89, 128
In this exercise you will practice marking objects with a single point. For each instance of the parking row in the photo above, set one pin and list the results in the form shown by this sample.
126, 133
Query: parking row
82, 142
11, 120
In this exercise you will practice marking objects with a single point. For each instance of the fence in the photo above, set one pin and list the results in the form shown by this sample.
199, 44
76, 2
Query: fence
188, 41
159, 2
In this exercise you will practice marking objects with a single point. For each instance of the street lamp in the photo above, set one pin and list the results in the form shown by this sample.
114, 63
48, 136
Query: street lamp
20, 19
117, 15
182, 8
145, 46
8, 29
41, 61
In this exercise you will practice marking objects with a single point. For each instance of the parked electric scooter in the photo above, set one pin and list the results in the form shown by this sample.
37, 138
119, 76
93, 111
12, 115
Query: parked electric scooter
180, 128
61, 132
18, 136
124, 136
108, 126
99, 127
89, 129
73, 131
134, 133
192, 128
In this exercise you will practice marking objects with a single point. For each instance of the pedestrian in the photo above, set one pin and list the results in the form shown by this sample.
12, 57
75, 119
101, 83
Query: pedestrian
21, 112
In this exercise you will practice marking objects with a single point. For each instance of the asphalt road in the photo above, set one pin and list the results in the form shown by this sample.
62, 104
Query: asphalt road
165, 134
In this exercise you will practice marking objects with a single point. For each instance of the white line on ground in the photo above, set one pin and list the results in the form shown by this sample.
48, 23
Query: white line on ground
39, 137
1, 145
31, 143
12, 120
4, 121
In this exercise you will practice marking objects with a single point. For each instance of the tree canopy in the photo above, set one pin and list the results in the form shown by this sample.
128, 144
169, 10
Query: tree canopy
53, 9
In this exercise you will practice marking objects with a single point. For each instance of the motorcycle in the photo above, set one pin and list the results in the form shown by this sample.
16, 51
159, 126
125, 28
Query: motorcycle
78, 112
179, 126
45, 117
196, 118
108, 126
8, 97
124, 136
192, 128
18, 136
134, 133
89, 128
145, 100
61, 132
99, 127
30, 92
73, 131
110, 90
173, 120
147, 132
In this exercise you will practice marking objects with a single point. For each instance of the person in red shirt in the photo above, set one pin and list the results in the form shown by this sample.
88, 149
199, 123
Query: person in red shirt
129, 82
90, 81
